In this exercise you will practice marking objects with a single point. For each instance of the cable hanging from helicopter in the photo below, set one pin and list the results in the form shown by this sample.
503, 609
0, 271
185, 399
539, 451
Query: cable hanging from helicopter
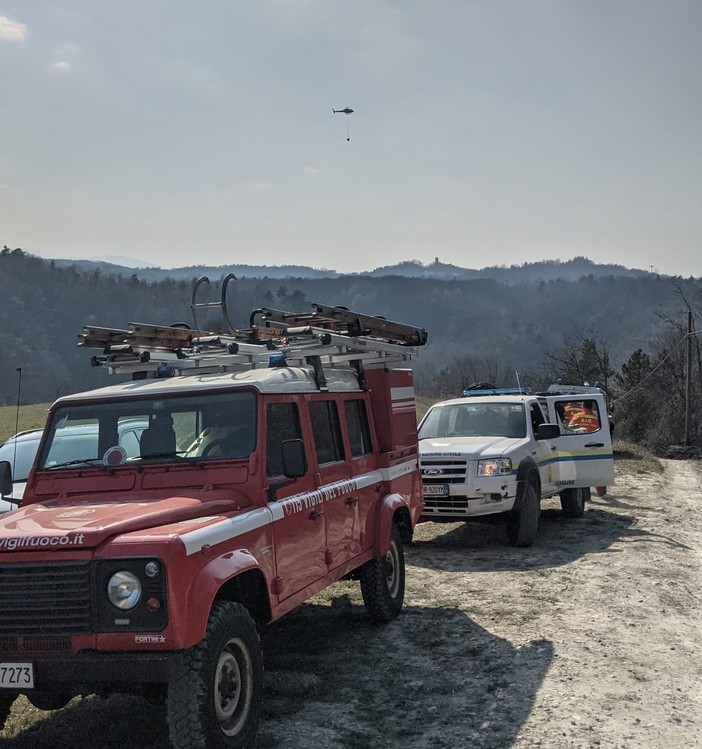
347, 111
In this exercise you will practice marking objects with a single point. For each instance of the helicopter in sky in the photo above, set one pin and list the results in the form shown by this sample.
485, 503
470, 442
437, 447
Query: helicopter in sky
347, 111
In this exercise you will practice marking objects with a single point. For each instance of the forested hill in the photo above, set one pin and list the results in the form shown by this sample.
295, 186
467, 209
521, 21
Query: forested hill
545, 270
43, 307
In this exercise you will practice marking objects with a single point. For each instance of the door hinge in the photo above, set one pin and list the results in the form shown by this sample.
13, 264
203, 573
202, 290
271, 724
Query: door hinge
328, 557
276, 585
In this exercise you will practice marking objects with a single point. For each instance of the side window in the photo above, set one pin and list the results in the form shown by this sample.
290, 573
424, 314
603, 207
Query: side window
537, 417
357, 424
327, 433
282, 423
580, 417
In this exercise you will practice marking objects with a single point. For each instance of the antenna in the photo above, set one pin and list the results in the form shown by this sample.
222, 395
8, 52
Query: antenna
518, 383
19, 393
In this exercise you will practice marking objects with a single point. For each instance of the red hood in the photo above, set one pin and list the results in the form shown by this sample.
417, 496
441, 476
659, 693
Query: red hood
63, 525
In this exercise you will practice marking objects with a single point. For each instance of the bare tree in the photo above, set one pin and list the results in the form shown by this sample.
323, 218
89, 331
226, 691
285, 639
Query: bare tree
583, 357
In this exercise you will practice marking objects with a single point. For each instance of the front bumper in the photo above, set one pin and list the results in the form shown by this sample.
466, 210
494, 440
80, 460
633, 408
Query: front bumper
88, 671
460, 507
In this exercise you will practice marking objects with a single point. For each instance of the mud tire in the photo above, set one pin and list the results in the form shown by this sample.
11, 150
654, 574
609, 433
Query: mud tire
573, 503
523, 526
214, 700
383, 581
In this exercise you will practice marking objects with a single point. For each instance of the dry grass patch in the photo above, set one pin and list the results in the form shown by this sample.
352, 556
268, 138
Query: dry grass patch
30, 417
630, 458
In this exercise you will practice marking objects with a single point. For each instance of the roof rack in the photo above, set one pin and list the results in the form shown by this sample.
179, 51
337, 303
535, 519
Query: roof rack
325, 337
563, 389
473, 392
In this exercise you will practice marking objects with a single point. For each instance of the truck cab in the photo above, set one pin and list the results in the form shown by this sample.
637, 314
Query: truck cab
233, 477
500, 453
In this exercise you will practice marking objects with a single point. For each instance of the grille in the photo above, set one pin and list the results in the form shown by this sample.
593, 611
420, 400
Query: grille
35, 646
452, 471
446, 506
38, 599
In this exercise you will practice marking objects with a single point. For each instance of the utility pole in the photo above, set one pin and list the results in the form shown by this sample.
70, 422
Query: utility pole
688, 379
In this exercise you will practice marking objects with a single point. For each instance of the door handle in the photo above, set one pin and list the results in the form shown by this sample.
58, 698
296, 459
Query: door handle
594, 444
352, 501
315, 514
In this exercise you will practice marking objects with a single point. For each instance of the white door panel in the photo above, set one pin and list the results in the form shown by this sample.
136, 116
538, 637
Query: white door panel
585, 447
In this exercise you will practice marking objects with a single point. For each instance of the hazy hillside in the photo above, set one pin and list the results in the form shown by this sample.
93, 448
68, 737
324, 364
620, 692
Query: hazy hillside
547, 270
194, 271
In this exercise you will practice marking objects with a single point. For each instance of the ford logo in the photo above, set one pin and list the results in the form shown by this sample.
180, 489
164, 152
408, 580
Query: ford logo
433, 471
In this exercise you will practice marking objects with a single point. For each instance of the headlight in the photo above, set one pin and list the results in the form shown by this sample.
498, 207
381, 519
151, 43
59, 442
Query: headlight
495, 467
124, 590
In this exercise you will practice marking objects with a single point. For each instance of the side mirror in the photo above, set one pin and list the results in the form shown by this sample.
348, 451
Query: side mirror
548, 432
5, 478
294, 461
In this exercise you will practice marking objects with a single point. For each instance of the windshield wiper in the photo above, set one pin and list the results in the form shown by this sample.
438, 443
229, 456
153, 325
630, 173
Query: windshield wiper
97, 462
179, 456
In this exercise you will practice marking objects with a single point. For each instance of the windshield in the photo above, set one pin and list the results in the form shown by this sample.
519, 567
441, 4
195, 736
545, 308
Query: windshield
474, 420
20, 455
166, 429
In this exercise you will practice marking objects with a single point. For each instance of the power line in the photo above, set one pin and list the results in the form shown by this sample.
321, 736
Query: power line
657, 367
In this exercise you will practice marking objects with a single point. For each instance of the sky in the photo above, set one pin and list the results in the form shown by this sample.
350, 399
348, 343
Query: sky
484, 132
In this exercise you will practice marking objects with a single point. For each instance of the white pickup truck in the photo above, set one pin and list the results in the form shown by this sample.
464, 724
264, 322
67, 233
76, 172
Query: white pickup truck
497, 452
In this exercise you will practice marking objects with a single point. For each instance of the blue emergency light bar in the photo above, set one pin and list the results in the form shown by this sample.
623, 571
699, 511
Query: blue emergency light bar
495, 391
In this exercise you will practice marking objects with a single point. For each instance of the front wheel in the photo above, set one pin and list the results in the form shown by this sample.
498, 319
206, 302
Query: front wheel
214, 701
383, 581
523, 526
573, 503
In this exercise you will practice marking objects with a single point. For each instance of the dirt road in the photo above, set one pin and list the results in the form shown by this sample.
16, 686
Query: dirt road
589, 639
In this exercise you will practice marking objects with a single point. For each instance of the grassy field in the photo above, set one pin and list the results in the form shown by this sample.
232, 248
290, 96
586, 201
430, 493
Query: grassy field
30, 417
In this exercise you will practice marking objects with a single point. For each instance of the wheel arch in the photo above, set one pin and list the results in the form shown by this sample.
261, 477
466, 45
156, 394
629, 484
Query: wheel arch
234, 576
393, 508
249, 589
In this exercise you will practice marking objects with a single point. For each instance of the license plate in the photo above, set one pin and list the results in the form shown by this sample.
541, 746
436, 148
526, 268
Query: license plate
16, 675
436, 490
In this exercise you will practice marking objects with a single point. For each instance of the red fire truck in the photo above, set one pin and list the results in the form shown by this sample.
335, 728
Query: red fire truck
232, 477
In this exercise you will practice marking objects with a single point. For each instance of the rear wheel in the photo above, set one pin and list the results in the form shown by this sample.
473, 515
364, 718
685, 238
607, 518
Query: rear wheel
573, 503
214, 701
383, 581
523, 526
